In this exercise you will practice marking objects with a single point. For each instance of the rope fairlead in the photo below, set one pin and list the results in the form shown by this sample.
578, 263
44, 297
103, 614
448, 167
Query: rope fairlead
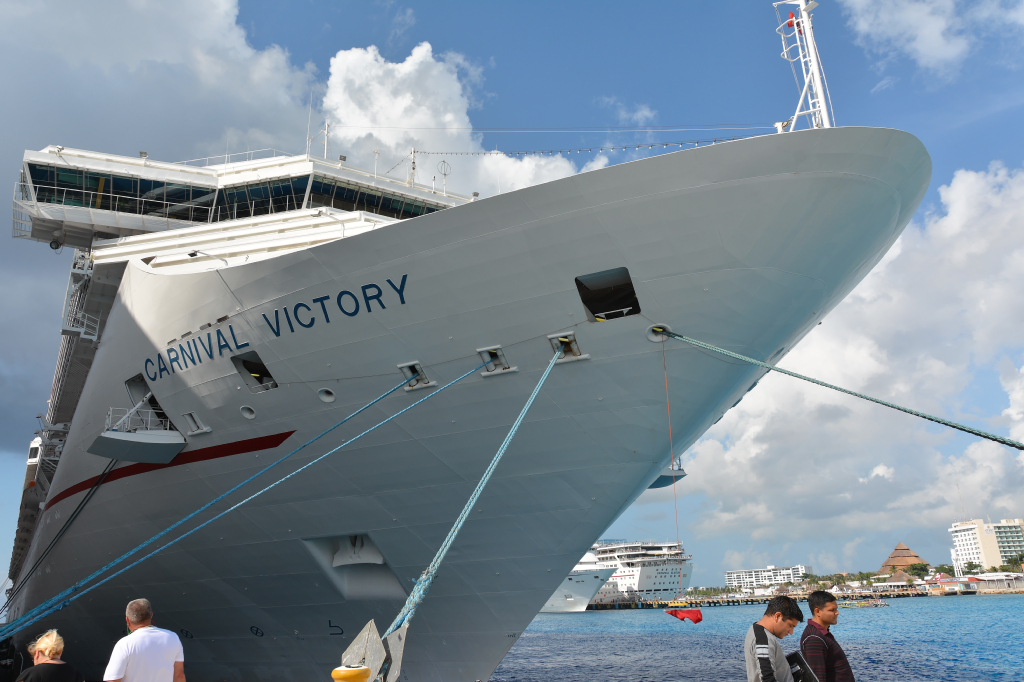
1009, 442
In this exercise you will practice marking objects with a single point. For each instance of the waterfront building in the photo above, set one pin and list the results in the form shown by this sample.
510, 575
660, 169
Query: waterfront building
899, 559
986, 544
772, 575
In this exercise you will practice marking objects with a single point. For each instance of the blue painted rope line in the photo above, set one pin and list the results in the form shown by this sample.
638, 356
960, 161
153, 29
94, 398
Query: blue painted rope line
231, 509
938, 420
7, 629
423, 584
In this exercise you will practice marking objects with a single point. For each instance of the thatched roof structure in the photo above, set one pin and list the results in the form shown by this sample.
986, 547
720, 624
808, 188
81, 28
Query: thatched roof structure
900, 558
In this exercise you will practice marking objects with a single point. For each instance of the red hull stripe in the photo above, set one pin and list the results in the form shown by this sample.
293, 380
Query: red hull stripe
190, 457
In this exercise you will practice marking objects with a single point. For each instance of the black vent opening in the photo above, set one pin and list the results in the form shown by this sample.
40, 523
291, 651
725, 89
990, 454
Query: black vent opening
608, 295
253, 372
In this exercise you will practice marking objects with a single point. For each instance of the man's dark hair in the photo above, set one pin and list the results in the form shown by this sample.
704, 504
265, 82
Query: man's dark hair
787, 606
818, 599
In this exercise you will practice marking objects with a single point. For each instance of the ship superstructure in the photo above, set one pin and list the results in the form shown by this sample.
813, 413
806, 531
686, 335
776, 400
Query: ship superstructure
644, 571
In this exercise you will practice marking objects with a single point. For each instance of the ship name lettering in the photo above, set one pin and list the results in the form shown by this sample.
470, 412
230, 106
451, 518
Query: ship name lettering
178, 359
348, 303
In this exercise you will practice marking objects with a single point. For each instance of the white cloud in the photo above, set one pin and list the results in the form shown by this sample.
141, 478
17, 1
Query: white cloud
735, 560
937, 34
942, 306
423, 102
402, 22
886, 83
880, 471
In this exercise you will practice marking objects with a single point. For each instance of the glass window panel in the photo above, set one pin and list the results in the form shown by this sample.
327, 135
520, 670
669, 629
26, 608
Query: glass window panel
322, 191
69, 178
42, 175
177, 194
345, 197
151, 189
97, 182
124, 187
391, 206
237, 202
279, 188
369, 201
220, 208
412, 209
259, 198
203, 196
299, 189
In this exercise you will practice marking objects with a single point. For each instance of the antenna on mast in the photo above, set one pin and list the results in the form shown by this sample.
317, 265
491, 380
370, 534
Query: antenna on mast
309, 120
799, 47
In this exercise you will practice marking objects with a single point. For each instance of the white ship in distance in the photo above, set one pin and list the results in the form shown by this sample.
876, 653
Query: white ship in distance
579, 587
219, 315
643, 571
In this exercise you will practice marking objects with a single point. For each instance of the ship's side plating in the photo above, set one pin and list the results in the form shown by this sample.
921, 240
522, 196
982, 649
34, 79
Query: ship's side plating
746, 245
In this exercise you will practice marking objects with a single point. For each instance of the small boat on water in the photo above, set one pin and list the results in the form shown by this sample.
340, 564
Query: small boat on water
863, 603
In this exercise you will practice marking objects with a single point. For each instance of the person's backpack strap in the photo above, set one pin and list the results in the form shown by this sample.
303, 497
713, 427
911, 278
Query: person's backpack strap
763, 651
800, 668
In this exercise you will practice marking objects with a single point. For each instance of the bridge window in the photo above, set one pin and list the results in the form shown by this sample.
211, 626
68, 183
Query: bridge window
126, 194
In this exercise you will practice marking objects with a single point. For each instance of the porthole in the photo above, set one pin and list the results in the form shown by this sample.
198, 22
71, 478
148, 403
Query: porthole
326, 395
248, 412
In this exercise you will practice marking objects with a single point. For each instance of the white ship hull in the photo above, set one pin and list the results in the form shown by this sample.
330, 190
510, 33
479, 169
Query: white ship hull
746, 245
576, 591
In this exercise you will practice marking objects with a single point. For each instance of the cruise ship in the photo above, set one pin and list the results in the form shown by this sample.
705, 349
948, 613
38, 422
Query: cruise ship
643, 571
220, 314
579, 587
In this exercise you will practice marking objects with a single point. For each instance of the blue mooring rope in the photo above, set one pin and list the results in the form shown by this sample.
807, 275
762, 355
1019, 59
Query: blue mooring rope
52, 605
938, 420
423, 584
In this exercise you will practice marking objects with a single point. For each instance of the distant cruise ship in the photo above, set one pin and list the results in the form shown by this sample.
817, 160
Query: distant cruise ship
644, 571
579, 587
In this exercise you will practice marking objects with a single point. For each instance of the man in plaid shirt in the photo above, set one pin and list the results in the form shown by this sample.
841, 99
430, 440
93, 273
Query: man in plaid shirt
821, 650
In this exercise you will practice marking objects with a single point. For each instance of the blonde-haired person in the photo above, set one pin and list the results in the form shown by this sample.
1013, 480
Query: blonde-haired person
46, 651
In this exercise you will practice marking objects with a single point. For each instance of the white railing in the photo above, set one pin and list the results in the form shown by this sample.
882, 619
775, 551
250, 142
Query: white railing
87, 326
237, 157
130, 420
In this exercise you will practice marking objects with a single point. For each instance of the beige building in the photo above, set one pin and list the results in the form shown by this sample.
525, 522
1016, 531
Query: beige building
986, 544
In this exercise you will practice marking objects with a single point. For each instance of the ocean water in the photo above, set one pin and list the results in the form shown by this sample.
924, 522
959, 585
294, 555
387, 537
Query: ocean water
976, 638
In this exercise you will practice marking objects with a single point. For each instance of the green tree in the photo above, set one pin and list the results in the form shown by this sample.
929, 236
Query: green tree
1015, 561
972, 567
945, 568
918, 570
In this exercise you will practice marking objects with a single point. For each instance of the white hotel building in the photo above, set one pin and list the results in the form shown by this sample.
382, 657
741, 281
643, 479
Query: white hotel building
986, 544
772, 575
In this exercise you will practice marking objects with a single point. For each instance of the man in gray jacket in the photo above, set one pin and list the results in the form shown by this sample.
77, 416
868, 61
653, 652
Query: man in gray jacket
762, 648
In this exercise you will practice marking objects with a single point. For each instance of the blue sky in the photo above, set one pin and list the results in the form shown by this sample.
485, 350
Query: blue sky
791, 475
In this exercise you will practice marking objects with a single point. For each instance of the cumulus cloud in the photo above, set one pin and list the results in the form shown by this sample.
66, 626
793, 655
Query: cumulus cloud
880, 471
423, 102
942, 307
937, 34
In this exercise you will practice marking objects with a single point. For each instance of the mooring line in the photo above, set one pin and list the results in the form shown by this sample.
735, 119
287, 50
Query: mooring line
427, 577
56, 603
1009, 442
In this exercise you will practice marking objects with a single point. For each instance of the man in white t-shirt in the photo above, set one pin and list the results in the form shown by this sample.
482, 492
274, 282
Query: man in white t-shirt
147, 654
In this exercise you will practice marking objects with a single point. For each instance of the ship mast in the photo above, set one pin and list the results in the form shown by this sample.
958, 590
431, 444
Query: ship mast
799, 47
